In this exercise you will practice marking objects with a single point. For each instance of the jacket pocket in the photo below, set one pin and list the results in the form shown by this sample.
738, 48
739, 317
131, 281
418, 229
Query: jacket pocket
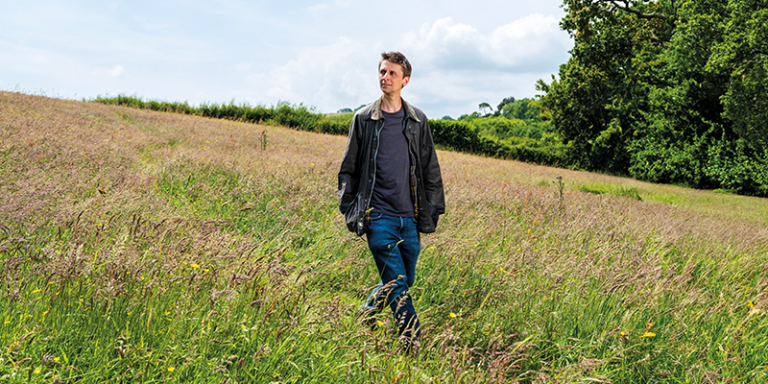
350, 216
426, 222
356, 219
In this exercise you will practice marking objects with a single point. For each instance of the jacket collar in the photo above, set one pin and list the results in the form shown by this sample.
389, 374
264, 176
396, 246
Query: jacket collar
377, 114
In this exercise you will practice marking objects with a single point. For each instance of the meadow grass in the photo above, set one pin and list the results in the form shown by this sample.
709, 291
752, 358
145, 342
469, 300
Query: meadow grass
140, 246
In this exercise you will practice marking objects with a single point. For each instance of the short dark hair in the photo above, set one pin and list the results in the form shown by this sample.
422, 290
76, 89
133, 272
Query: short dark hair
397, 58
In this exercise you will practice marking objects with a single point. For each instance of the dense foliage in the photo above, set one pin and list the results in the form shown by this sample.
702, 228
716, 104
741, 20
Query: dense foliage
666, 91
512, 119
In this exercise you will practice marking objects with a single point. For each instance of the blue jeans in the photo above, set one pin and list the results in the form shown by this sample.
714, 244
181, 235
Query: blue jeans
394, 243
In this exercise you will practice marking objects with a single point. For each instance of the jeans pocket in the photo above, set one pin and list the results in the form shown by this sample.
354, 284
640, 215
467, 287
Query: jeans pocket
375, 216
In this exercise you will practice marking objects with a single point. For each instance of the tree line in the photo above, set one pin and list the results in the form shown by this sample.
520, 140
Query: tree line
666, 91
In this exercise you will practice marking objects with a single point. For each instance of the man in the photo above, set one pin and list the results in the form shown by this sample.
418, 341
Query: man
390, 186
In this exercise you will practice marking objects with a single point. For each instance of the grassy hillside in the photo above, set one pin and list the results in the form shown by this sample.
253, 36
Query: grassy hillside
140, 246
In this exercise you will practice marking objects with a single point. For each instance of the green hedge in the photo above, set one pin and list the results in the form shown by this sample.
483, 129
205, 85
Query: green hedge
464, 136
457, 135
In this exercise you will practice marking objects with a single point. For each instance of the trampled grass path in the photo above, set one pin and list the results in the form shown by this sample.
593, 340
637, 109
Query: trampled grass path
138, 246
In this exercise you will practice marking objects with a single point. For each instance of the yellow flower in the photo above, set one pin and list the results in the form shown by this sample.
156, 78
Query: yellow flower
379, 323
648, 334
195, 266
56, 359
750, 304
622, 333
452, 315
171, 369
206, 269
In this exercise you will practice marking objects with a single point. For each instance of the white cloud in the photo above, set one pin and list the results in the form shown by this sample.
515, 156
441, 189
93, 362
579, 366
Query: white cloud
455, 67
329, 77
522, 45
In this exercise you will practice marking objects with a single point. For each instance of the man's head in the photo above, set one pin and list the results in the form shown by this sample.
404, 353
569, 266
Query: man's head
397, 58
394, 72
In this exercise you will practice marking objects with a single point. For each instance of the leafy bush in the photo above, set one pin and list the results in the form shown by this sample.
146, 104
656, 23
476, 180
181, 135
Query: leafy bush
465, 136
335, 124
295, 116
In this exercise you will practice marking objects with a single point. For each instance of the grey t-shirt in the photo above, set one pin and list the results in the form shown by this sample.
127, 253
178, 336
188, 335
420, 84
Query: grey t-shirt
391, 192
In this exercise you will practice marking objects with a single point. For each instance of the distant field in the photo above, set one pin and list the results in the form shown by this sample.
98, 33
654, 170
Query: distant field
140, 246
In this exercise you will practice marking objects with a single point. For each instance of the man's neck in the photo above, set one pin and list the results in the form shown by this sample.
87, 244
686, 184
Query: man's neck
391, 103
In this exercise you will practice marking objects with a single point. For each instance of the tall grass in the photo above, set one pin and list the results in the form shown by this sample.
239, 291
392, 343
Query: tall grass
137, 246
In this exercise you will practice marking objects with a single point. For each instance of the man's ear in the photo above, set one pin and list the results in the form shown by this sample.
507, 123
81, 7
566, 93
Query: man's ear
406, 80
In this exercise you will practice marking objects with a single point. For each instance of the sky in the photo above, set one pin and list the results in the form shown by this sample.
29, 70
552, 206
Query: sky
323, 54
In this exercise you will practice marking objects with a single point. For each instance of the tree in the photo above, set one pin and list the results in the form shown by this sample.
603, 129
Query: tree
743, 55
503, 102
666, 90
603, 88
470, 117
485, 109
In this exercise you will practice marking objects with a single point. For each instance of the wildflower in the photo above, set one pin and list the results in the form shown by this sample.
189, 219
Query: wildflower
647, 334
206, 269
194, 266
379, 323
171, 369
750, 304
56, 359
452, 315
312, 164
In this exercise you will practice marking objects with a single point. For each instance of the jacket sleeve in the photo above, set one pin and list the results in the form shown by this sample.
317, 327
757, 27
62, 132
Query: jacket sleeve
433, 179
349, 172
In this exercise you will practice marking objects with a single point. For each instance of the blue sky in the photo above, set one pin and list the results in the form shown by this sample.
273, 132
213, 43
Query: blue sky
322, 54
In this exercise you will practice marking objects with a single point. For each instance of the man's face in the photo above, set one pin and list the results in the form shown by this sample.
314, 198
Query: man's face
391, 78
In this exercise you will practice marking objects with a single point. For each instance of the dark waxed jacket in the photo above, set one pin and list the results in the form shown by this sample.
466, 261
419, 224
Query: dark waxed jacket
357, 175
